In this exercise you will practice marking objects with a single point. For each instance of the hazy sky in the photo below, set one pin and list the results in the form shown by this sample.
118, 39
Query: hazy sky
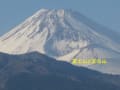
13, 12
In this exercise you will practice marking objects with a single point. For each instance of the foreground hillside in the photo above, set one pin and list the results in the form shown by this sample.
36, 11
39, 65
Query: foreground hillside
34, 71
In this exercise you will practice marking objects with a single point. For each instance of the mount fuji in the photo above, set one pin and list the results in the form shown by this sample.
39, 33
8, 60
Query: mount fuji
64, 35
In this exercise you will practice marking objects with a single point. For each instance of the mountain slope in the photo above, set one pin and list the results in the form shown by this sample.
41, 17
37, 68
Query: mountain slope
63, 35
26, 72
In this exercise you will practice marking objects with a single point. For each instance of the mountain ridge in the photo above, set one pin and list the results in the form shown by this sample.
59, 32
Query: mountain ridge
63, 35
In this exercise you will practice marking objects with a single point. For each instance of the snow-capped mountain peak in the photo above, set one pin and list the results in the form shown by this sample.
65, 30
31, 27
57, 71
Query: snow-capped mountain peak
61, 34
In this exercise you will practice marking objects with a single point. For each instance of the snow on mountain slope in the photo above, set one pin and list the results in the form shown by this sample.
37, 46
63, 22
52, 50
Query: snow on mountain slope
61, 34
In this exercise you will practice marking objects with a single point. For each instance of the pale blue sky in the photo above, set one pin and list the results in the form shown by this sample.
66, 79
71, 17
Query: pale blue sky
13, 12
